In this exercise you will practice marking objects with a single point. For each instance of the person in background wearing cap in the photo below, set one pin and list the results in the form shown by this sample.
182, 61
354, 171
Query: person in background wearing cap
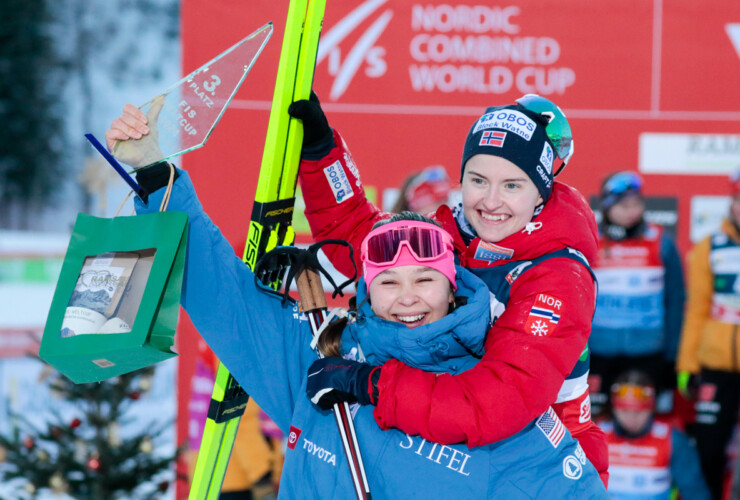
529, 238
709, 353
423, 192
639, 308
648, 456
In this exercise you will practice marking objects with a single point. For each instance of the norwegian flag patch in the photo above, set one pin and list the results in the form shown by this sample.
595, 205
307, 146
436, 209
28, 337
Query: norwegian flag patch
551, 426
544, 315
492, 138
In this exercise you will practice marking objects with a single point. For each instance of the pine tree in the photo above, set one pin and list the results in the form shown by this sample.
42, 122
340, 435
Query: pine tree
86, 457
29, 110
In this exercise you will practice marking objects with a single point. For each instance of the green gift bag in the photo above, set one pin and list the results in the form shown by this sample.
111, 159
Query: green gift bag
117, 300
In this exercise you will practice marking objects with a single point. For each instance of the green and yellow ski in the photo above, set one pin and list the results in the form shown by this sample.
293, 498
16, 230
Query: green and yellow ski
270, 224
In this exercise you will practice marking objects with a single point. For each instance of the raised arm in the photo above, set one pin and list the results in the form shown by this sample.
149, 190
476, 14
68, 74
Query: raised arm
336, 205
262, 342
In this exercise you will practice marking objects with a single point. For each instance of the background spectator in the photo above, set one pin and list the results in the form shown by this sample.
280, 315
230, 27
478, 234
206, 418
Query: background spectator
639, 307
648, 456
709, 355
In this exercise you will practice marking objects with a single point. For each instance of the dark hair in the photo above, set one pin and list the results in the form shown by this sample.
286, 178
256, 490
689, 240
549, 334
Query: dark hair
330, 341
406, 215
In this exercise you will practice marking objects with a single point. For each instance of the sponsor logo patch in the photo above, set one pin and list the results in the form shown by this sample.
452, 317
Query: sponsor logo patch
517, 271
551, 426
491, 253
543, 175
507, 119
572, 468
352, 168
547, 157
585, 414
492, 138
544, 315
319, 452
338, 182
580, 454
293, 436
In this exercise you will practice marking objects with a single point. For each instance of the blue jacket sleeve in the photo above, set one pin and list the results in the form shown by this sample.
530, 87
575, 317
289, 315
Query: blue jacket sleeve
674, 296
263, 342
685, 468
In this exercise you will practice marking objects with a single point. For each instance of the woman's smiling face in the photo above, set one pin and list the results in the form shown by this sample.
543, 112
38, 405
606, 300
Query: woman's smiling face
412, 295
499, 199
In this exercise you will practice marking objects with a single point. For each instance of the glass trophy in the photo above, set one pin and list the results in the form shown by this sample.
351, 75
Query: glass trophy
183, 116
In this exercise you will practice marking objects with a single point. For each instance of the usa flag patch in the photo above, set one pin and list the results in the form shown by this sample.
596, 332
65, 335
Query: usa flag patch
544, 315
551, 427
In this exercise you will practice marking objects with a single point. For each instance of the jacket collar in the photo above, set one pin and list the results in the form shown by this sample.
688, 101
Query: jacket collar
565, 221
451, 344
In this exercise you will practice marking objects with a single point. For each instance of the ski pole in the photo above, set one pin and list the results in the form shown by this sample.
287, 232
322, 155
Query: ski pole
313, 304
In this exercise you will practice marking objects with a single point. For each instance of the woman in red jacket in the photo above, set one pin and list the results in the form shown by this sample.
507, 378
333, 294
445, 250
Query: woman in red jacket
528, 237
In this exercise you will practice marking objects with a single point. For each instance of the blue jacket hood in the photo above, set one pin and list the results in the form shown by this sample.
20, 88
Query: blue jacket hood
452, 344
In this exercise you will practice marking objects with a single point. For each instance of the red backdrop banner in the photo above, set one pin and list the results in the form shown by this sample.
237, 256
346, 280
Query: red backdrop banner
649, 86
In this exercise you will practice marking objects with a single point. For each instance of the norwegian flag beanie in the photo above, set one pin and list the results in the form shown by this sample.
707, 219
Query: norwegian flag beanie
518, 135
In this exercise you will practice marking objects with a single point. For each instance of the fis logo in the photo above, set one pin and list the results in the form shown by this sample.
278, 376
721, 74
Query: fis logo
364, 55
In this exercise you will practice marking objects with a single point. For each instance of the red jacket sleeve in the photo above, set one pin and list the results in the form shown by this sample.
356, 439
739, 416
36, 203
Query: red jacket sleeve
518, 377
336, 205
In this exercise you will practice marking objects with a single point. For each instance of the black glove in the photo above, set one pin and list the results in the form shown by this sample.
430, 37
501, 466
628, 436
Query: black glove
155, 177
337, 380
316, 130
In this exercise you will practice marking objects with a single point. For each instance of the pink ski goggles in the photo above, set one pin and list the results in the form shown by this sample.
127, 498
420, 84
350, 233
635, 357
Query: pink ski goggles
408, 243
